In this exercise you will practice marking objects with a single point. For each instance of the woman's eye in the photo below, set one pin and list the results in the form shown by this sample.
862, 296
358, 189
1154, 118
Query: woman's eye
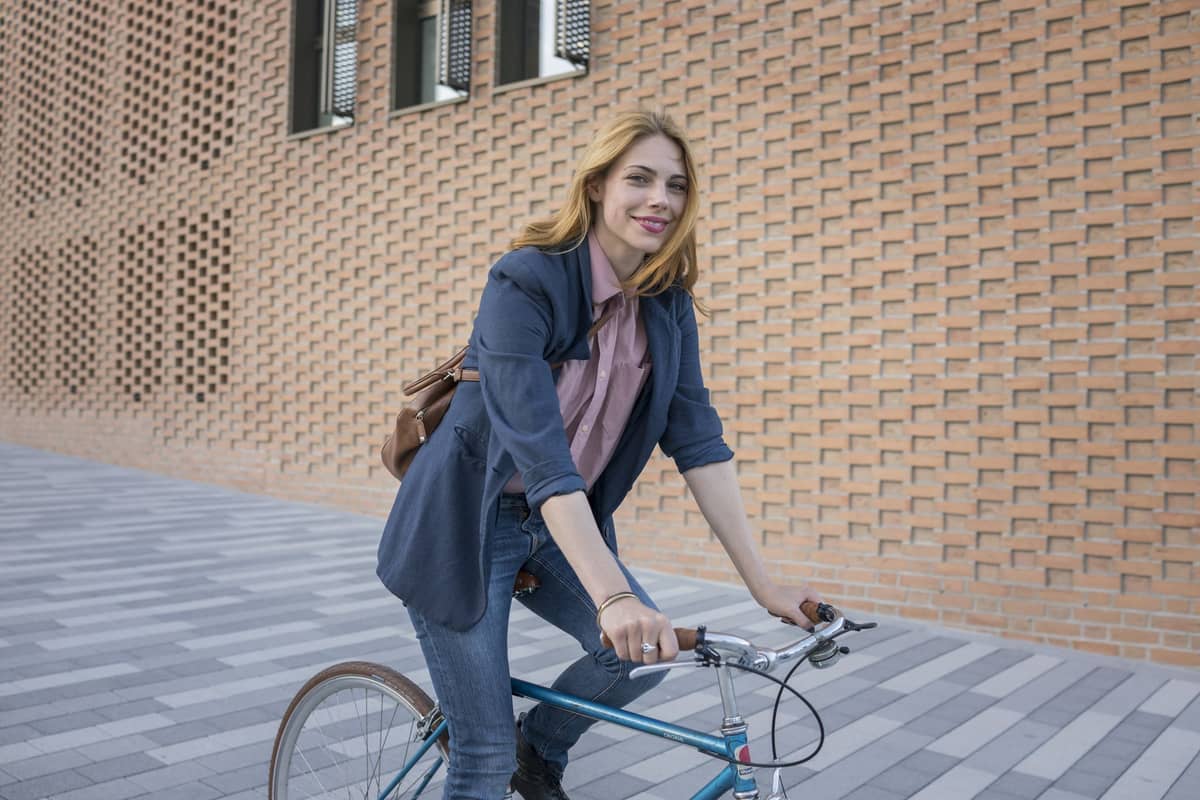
678, 187
638, 178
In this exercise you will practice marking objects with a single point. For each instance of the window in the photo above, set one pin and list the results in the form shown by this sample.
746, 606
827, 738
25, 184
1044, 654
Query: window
432, 50
542, 37
324, 63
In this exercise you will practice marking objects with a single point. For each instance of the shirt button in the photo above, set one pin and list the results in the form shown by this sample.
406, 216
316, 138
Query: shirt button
603, 374
585, 428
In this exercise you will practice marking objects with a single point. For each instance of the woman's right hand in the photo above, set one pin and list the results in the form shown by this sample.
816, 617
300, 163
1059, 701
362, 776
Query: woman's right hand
628, 624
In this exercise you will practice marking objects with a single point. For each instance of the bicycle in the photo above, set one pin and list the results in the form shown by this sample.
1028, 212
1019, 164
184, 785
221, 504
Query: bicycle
362, 730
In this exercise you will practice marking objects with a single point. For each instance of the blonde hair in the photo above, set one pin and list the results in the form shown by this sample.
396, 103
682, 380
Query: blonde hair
675, 262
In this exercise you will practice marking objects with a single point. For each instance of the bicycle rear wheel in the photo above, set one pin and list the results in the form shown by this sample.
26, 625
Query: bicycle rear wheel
349, 731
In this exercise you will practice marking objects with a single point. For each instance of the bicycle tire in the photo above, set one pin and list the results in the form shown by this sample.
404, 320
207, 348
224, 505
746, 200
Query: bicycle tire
324, 749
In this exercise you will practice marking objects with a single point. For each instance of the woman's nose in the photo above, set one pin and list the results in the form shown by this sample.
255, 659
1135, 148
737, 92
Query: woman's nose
658, 198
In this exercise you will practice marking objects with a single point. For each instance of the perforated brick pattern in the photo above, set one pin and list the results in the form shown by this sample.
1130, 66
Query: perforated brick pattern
950, 250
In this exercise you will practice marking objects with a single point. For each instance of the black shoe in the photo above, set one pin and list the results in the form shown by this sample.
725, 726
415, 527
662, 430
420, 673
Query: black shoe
534, 780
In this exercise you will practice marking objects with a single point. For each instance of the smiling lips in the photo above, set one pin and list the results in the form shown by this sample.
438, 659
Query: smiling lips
654, 225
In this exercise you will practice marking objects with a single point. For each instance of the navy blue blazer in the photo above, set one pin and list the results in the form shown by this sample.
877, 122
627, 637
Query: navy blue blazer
535, 311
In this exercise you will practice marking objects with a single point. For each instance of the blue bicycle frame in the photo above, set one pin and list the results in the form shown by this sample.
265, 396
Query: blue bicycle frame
733, 744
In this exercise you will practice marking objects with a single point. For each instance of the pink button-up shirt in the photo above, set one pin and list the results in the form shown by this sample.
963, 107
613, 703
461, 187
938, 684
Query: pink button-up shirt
596, 396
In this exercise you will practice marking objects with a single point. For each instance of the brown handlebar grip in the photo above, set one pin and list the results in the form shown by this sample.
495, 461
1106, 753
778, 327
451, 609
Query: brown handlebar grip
685, 636
809, 609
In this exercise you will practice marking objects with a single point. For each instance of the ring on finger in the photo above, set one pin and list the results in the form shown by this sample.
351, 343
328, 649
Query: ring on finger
647, 647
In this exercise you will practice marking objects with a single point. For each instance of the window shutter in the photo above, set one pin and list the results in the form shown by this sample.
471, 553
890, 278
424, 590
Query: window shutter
572, 24
454, 50
345, 57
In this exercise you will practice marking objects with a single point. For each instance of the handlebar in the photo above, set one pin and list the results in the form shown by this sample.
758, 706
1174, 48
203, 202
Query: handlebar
713, 648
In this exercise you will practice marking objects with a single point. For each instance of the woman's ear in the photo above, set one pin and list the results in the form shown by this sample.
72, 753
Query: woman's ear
593, 190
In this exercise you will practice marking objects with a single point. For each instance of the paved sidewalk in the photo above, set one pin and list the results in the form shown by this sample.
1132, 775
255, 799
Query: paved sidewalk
153, 630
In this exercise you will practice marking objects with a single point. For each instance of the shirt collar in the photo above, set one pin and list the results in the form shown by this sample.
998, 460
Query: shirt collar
605, 284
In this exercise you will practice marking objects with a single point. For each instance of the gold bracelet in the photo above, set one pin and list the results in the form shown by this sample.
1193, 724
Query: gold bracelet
611, 599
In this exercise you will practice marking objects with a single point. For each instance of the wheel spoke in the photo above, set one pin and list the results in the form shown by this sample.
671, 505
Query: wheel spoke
345, 709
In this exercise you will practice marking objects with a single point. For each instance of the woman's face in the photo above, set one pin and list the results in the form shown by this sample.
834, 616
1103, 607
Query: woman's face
639, 201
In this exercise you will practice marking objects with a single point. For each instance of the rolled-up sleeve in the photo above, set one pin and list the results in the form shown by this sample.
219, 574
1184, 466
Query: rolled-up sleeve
510, 340
694, 435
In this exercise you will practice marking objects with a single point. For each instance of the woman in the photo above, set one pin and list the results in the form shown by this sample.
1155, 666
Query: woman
586, 347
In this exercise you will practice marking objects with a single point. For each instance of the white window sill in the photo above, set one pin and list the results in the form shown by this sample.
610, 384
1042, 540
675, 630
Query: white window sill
400, 112
528, 82
318, 131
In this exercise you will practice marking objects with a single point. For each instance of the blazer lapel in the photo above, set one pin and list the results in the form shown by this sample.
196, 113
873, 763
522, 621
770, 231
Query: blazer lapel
580, 258
662, 346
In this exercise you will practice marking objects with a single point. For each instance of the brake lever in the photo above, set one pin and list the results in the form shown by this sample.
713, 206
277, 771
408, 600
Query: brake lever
857, 626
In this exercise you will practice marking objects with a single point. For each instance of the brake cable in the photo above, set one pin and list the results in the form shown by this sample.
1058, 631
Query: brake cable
713, 658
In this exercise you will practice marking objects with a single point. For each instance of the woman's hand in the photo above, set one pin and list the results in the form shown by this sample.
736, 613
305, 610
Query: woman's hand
785, 601
627, 624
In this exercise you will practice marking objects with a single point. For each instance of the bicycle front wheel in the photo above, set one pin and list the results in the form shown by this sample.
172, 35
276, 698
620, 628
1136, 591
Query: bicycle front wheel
348, 733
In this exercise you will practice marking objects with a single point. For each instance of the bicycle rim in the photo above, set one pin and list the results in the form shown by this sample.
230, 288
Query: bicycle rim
348, 733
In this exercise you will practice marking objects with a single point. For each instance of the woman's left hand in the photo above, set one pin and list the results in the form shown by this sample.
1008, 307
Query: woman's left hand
785, 601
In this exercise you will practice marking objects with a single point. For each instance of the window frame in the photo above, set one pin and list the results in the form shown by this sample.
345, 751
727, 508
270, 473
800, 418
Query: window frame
549, 53
311, 106
406, 84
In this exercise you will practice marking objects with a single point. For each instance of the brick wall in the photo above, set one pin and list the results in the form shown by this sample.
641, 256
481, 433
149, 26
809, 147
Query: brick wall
950, 249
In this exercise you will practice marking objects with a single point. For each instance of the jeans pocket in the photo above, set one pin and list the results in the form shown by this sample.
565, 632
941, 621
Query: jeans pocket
535, 528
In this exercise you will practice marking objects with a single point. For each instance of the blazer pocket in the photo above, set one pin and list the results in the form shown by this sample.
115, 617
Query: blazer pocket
471, 444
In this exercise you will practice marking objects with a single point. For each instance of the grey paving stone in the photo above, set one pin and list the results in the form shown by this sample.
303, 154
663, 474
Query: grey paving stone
16, 733
66, 722
1140, 728
873, 792
617, 785
115, 748
45, 786
861, 767
983, 668
906, 660
1054, 717
962, 707
253, 794
919, 702
868, 701
229, 781
163, 778
120, 767
119, 789
1048, 685
902, 780
1185, 785
1020, 785
994, 794
258, 754
1009, 748
46, 765
931, 726
182, 732
929, 763
198, 791
1054, 793
127, 709
1084, 783
1107, 765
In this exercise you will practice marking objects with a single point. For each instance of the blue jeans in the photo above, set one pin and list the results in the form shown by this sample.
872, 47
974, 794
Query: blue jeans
470, 670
